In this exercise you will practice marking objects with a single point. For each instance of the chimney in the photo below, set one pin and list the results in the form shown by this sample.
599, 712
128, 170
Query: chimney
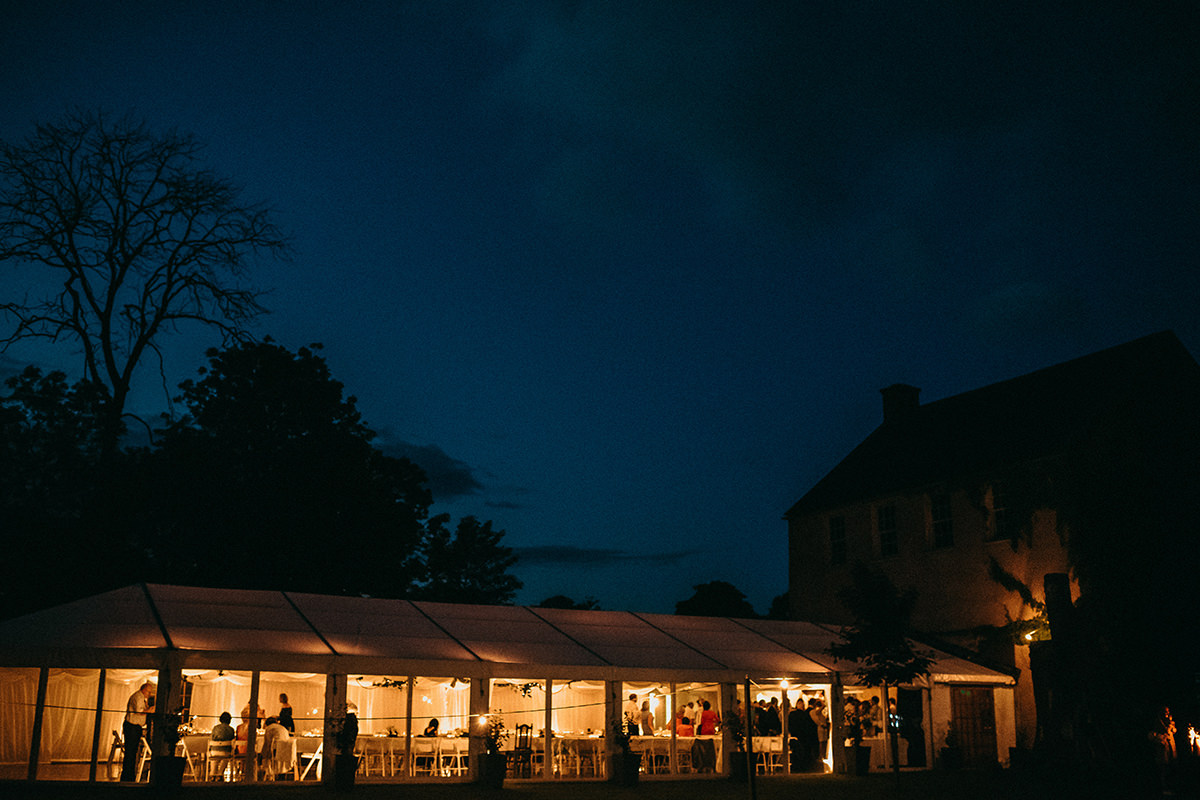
899, 401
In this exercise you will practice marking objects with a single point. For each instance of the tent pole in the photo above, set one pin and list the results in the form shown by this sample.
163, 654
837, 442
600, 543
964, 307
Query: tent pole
750, 777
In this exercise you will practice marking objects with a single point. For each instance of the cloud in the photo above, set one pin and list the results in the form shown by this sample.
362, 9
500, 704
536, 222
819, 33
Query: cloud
566, 556
504, 505
449, 479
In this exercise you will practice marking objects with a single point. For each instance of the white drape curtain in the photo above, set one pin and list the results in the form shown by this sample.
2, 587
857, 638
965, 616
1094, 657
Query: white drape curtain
448, 700
18, 696
576, 707
381, 701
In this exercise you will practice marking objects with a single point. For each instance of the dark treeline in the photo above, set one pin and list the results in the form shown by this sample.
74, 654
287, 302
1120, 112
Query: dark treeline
269, 480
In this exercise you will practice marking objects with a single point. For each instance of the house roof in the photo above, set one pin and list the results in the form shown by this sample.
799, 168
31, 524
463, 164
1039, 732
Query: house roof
1036, 416
239, 629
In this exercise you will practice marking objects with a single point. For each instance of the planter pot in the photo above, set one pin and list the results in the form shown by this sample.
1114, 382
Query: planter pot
167, 771
737, 766
950, 758
345, 767
495, 765
629, 765
862, 759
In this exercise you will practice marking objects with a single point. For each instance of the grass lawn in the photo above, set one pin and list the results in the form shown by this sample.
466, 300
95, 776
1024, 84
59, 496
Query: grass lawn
964, 785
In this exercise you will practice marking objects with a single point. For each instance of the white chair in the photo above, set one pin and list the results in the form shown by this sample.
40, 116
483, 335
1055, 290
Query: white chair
453, 756
143, 757
426, 755
314, 761
283, 760
218, 758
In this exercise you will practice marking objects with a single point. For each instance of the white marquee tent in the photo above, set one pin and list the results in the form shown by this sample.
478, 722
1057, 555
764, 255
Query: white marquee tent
66, 672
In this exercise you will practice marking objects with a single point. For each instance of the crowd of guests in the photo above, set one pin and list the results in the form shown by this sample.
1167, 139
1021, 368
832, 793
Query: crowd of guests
228, 741
694, 718
864, 718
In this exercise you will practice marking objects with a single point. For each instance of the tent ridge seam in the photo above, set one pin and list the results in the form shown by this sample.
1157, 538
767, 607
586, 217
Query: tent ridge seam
773, 640
453, 638
670, 635
162, 626
309, 623
569, 636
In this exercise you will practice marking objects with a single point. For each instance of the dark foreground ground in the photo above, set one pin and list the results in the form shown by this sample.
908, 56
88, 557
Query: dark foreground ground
964, 785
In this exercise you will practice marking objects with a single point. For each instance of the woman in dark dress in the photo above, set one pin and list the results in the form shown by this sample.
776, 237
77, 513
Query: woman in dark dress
285, 714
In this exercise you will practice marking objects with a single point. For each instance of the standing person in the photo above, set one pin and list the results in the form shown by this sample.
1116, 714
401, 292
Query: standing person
709, 720
285, 714
821, 719
1162, 737
803, 733
875, 715
647, 719
773, 724
133, 728
632, 714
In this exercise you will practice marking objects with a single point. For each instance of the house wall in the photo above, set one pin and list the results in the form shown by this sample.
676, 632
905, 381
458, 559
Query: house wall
1005, 708
956, 594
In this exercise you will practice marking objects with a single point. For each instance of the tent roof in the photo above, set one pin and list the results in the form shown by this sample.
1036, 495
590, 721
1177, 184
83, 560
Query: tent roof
282, 630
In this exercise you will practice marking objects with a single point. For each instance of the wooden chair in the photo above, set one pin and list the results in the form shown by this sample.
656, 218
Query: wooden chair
520, 759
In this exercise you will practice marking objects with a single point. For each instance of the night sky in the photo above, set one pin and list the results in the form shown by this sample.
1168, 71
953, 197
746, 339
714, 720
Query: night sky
626, 278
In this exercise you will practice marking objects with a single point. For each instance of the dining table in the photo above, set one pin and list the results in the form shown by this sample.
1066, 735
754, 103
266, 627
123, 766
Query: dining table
655, 750
576, 755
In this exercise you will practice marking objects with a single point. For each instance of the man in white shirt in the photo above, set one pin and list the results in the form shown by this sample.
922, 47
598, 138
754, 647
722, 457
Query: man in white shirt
133, 728
633, 714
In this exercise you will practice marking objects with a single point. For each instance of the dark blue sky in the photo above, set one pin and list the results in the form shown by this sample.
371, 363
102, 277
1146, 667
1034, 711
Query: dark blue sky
627, 277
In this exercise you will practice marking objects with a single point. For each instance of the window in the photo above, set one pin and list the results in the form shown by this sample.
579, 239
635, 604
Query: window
943, 522
837, 540
1003, 526
885, 523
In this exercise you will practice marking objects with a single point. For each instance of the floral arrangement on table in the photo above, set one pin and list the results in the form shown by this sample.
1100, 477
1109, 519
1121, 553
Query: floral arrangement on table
495, 734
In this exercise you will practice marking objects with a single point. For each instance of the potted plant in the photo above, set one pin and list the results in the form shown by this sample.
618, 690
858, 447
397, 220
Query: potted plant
738, 769
345, 761
495, 761
950, 756
628, 763
168, 768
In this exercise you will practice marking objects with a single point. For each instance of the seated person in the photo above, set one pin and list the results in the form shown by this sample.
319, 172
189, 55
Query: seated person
222, 735
684, 727
431, 729
274, 732
241, 736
